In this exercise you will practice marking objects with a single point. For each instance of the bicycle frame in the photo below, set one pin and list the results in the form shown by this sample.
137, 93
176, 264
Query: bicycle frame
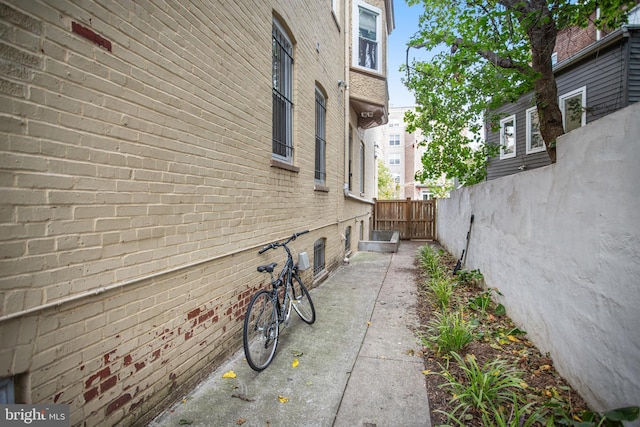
270, 308
283, 304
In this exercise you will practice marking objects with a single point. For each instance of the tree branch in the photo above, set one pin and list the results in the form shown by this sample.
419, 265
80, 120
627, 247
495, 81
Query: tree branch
493, 57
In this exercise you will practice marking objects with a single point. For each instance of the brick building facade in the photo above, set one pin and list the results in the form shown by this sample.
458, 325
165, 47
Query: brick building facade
140, 173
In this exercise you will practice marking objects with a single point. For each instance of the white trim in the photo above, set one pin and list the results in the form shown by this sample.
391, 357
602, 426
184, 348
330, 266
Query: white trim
528, 132
355, 44
561, 103
502, 122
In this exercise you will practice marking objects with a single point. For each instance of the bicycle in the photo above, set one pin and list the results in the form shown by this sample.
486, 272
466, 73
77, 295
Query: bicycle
270, 308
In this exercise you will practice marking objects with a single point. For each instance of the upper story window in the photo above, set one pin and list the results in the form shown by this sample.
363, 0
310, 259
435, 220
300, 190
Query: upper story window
282, 73
394, 159
321, 144
535, 143
367, 45
508, 137
394, 139
573, 106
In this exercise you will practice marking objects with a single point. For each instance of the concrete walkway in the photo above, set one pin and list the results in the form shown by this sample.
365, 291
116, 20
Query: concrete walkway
358, 364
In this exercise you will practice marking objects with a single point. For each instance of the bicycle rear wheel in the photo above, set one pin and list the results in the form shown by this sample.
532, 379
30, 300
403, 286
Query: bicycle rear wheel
260, 333
302, 303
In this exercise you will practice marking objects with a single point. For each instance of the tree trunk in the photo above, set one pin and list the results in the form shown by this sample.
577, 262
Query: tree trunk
542, 38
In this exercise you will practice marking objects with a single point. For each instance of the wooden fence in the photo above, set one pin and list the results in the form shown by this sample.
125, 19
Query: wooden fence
414, 219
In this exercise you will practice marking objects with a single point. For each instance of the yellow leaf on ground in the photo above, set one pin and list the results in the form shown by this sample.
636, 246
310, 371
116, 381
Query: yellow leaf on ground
426, 372
513, 339
295, 363
283, 399
229, 374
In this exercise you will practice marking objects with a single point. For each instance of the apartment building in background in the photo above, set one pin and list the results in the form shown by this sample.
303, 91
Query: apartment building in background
148, 151
401, 153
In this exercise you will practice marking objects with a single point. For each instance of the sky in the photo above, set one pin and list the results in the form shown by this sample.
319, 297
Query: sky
406, 20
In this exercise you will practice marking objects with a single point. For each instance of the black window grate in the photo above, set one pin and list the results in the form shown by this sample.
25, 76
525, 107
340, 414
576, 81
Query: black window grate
282, 73
318, 257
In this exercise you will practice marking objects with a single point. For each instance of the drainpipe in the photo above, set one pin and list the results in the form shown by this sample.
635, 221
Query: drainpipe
347, 108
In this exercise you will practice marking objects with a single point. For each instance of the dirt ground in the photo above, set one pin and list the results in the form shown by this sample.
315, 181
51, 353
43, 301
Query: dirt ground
544, 384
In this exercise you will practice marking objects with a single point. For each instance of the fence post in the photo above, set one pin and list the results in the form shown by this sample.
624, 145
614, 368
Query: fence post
408, 218
374, 224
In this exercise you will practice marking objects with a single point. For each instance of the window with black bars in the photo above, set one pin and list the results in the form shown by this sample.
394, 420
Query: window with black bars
347, 239
321, 150
282, 64
318, 257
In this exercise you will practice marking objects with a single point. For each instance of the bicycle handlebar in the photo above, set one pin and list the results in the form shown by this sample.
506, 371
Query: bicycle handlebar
273, 245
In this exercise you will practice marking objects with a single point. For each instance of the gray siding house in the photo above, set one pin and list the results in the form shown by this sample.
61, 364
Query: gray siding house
594, 82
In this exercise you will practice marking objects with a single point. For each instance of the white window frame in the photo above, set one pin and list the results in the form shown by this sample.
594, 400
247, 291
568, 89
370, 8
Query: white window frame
531, 150
395, 159
394, 140
355, 41
504, 155
562, 104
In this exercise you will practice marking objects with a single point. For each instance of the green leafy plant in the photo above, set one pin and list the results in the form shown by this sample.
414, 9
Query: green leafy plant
448, 332
442, 289
513, 415
482, 387
469, 277
482, 302
614, 418
430, 260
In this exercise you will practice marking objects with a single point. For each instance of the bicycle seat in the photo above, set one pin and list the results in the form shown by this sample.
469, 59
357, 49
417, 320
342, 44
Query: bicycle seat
268, 268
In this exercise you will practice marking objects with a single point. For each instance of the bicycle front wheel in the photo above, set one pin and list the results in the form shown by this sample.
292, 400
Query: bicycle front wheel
301, 300
260, 334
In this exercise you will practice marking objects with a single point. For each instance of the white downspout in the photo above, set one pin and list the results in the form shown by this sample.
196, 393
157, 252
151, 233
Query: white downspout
347, 107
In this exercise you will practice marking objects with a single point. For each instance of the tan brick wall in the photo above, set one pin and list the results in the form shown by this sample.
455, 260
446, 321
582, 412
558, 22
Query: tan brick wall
136, 189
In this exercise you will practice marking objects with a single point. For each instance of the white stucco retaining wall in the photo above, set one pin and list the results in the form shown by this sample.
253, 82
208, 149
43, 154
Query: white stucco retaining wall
562, 244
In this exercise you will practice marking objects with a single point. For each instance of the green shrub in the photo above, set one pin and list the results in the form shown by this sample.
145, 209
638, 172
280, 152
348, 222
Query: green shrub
442, 289
448, 332
482, 387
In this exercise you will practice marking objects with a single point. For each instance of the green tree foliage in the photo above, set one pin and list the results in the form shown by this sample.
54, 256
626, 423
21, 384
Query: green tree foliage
388, 189
439, 188
494, 52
